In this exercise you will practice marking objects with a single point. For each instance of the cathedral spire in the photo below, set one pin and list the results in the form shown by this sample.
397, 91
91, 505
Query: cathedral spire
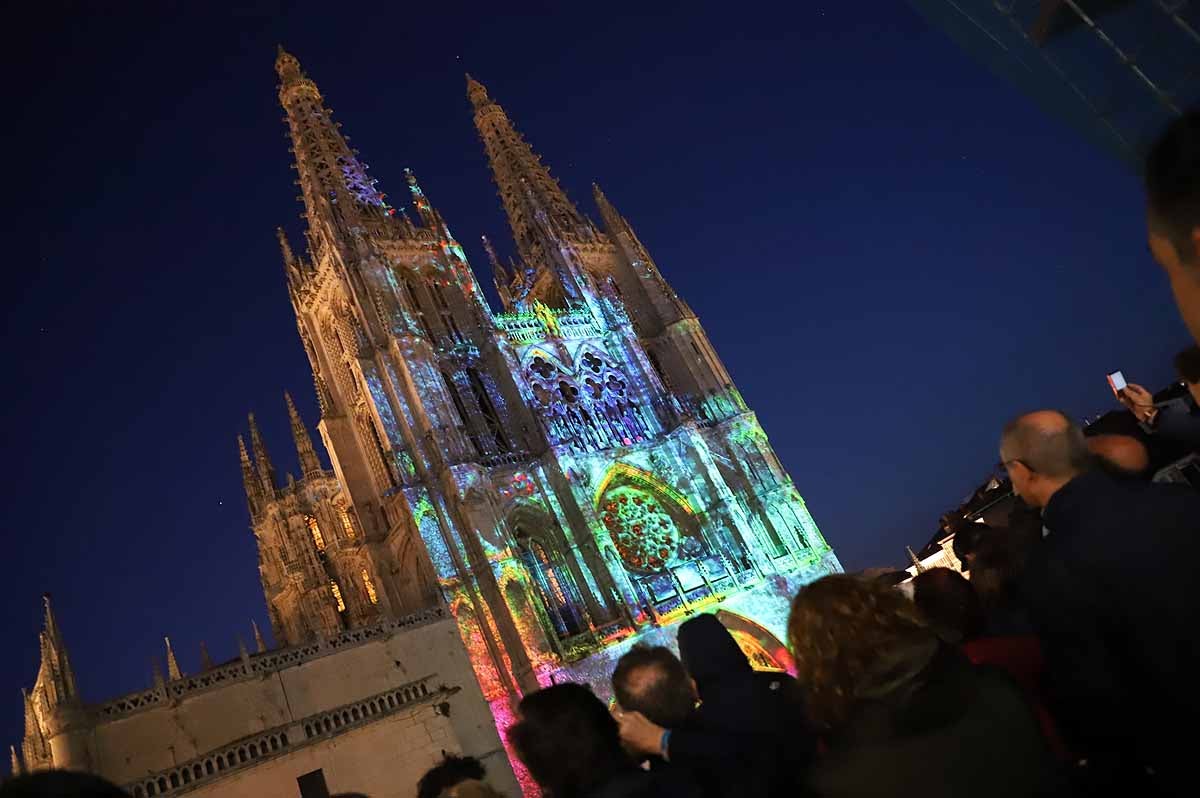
539, 213
337, 192
310, 464
173, 671
266, 471
56, 673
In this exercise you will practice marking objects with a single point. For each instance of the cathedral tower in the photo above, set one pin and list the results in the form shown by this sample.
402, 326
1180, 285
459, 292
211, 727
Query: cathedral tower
567, 473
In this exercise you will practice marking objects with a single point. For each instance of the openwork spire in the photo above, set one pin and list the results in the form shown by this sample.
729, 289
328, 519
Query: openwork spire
266, 471
55, 677
538, 210
337, 191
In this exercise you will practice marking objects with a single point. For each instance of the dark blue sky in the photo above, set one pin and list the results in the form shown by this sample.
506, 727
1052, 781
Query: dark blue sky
892, 250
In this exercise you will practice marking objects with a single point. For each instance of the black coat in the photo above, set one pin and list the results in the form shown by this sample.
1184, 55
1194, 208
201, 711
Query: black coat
1111, 593
954, 730
750, 735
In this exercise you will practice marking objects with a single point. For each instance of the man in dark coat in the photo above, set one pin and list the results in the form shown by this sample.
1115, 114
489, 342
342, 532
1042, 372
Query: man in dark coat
748, 734
1110, 592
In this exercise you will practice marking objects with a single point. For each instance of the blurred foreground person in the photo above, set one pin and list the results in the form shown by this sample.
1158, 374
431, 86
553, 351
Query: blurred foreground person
569, 742
1172, 178
1109, 590
748, 739
453, 770
904, 713
60, 784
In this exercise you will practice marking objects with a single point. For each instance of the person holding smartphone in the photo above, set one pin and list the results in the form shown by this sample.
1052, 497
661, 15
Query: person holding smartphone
1177, 420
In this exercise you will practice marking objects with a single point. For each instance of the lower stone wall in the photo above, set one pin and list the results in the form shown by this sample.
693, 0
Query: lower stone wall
382, 760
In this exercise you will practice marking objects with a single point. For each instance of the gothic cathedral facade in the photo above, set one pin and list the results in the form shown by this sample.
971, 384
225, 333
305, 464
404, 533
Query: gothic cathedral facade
573, 472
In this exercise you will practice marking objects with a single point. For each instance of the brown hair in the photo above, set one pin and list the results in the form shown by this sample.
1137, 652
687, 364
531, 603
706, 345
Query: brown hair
854, 639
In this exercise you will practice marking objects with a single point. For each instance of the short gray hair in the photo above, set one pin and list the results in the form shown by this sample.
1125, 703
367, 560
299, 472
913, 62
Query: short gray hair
1047, 442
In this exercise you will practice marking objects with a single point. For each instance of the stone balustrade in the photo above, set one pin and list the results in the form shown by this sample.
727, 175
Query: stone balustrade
261, 664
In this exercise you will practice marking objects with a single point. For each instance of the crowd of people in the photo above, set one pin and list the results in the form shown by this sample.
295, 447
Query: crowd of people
1062, 666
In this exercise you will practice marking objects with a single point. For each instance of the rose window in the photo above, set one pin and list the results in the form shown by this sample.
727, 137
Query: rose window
645, 534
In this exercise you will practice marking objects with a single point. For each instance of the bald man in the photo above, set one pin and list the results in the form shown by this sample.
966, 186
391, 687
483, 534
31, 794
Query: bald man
1109, 589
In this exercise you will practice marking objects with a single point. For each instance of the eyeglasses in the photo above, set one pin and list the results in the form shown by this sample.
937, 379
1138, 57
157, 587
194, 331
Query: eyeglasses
1003, 465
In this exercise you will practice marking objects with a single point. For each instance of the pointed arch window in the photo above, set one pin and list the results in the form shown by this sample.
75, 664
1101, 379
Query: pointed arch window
347, 524
658, 369
369, 586
555, 586
439, 296
314, 529
490, 416
411, 290
456, 399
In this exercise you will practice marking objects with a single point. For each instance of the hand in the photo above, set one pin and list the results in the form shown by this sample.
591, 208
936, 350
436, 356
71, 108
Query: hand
1139, 401
638, 734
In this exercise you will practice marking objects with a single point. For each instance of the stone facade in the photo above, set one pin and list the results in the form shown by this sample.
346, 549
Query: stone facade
371, 708
566, 475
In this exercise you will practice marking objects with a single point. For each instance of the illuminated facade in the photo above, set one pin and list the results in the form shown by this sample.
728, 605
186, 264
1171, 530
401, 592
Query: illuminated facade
515, 497
566, 474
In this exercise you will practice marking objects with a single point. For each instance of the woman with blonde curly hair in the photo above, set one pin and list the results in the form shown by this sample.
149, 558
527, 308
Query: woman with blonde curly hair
902, 712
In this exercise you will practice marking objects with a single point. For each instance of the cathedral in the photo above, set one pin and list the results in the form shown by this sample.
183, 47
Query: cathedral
552, 480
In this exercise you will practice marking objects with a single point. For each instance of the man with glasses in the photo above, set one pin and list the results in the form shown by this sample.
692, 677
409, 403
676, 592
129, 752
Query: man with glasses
1109, 590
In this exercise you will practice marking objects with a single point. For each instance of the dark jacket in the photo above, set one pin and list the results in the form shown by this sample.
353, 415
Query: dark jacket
1177, 421
1110, 590
750, 735
953, 730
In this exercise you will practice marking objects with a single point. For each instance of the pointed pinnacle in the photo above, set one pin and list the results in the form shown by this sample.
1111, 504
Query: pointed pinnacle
172, 664
258, 638
285, 247
17, 770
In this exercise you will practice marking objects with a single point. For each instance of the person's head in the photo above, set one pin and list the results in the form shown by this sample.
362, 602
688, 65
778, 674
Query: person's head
1121, 455
709, 652
968, 537
997, 566
471, 788
1042, 451
1187, 365
1172, 178
854, 639
60, 784
948, 602
652, 680
567, 739
450, 771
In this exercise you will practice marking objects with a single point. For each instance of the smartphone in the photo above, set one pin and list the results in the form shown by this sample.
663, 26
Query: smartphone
1116, 381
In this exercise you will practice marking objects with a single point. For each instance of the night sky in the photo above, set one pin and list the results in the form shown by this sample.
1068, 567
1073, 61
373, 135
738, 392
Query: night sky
892, 250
